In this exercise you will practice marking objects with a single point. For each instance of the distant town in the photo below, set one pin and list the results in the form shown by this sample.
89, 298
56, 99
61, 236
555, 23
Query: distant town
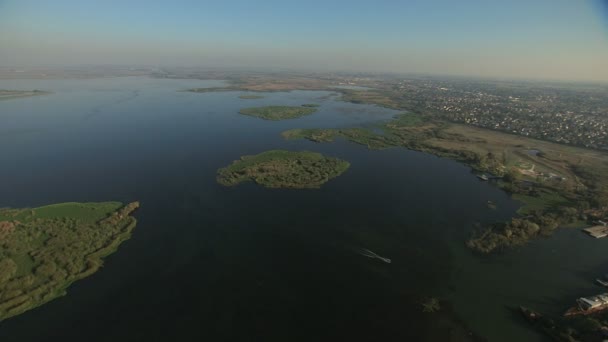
574, 114
567, 113
566, 116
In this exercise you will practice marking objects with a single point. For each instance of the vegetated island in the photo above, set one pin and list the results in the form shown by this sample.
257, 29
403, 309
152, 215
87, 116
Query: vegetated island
559, 186
283, 169
276, 113
44, 250
15, 94
251, 97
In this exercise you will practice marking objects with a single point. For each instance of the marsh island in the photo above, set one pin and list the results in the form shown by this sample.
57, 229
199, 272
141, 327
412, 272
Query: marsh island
44, 250
251, 97
276, 113
283, 169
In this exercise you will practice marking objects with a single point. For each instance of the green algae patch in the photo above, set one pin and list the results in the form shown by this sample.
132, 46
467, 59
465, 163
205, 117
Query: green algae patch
44, 250
276, 113
283, 169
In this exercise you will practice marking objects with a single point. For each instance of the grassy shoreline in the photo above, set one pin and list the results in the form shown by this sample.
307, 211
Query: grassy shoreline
46, 249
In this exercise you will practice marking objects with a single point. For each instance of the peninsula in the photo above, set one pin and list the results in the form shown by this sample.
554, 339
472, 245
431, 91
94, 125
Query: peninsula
44, 250
283, 169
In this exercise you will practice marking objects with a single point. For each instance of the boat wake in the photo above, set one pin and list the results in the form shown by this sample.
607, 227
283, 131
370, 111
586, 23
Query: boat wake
370, 254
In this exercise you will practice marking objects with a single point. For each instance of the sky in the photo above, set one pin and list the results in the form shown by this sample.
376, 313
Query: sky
534, 39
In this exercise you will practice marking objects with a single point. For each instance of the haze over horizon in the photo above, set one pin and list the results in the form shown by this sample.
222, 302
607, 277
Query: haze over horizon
559, 39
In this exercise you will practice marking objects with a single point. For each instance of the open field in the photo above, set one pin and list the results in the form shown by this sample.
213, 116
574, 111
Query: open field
44, 250
553, 158
283, 169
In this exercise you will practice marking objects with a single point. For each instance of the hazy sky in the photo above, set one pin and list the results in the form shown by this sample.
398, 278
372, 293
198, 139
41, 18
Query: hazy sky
555, 39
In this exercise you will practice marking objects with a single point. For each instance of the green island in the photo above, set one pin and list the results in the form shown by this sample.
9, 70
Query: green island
251, 97
15, 94
311, 105
559, 186
44, 250
276, 113
283, 169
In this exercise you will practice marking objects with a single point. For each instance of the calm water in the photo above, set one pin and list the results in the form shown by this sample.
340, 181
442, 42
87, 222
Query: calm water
254, 264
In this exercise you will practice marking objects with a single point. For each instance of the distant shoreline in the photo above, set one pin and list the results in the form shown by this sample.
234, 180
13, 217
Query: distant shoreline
17, 94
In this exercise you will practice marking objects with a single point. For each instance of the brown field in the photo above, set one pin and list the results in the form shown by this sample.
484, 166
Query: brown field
556, 158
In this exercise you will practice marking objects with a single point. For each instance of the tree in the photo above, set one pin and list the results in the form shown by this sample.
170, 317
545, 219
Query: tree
512, 175
8, 268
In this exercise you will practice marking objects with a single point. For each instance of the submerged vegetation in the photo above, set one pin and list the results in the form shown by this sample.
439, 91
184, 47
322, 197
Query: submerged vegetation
562, 186
43, 250
283, 169
276, 113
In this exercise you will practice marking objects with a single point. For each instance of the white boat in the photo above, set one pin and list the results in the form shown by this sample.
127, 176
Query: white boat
589, 305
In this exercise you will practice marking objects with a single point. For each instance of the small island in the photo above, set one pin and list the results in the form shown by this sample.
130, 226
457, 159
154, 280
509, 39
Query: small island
44, 250
251, 97
276, 113
15, 94
283, 169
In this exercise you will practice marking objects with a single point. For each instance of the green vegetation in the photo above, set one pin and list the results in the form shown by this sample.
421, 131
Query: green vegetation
44, 250
311, 105
283, 169
276, 113
316, 135
251, 97
406, 130
378, 97
541, 200
567, 187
